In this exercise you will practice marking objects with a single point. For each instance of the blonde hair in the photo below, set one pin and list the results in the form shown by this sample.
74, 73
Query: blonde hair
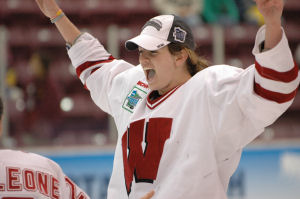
194, 62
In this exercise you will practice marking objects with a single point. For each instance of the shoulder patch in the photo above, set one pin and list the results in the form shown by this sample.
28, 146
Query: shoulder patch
137, 93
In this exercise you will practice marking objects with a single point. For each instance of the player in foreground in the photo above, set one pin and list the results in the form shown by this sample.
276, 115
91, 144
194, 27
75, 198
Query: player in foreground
31, 176
182, 126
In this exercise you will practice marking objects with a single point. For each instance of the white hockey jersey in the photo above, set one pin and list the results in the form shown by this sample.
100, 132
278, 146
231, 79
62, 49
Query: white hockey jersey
186, 143
31, 176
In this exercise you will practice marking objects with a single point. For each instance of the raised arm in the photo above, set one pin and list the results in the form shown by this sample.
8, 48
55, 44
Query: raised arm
67, 29
272, 12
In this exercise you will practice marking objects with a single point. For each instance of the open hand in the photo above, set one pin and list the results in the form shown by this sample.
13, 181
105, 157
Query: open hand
271, 10
48, 7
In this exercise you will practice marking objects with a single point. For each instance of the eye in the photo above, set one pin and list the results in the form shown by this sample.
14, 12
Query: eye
147, 53
152, 53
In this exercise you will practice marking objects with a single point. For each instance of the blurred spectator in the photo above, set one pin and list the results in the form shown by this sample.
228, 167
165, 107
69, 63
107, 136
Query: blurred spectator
43, 99
242, 7
230, 12
253, 15
249, 13
189, 10
15, 103
38, 100
220, 11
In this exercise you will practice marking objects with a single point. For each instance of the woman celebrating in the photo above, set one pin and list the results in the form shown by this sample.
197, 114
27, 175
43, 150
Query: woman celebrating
181, 125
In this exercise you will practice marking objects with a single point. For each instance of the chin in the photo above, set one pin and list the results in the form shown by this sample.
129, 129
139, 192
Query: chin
152, 87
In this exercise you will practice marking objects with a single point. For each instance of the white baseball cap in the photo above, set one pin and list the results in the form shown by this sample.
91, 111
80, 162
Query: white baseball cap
160, 31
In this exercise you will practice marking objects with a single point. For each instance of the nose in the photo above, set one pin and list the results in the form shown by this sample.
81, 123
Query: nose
144, 59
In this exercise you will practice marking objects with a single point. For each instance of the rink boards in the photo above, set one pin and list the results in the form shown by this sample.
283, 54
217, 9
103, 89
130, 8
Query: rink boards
264, 172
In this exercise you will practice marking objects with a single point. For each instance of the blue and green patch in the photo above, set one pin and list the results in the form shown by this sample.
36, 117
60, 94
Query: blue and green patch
133, 98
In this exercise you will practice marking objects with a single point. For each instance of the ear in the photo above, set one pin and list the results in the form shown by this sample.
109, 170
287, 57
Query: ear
181, 57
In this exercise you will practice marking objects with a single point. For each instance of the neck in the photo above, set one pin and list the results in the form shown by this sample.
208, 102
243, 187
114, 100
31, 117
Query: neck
184, 78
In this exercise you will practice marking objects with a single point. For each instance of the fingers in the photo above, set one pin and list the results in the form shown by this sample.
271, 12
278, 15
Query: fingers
271, 10
148, 195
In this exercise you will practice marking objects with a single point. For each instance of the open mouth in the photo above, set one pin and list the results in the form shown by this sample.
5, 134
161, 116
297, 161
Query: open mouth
150, 73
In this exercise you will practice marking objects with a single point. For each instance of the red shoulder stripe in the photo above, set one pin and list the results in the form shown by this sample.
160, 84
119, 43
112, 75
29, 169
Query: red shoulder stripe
268, 73
274, 96
89, 64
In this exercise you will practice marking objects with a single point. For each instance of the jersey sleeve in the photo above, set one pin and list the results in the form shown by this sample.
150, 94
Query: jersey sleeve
244, 102
107, 78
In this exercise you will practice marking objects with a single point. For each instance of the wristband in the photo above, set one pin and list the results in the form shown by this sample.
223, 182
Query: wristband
58, 16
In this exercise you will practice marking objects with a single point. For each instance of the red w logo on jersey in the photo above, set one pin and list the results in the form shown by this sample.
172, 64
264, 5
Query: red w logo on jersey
143, 164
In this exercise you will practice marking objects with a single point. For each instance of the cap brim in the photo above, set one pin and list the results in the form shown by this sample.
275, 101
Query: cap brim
147, 42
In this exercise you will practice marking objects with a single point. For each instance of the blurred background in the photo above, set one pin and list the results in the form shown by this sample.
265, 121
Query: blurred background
48, 111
